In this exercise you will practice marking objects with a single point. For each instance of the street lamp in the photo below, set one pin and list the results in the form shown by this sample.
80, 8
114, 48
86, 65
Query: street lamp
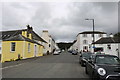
93, 31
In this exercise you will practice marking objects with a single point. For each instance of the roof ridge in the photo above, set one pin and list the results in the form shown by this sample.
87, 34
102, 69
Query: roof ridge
13, 30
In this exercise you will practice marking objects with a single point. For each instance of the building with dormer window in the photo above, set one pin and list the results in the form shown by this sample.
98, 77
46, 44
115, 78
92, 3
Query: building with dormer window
20, 44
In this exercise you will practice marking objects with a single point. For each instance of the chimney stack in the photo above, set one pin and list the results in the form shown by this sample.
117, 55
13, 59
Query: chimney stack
111, 35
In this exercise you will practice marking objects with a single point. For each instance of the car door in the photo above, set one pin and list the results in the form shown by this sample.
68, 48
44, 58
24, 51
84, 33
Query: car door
90, 66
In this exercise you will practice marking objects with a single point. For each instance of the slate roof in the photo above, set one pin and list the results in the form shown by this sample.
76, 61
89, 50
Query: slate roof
90, 32
19, 37
7, 34
106, 40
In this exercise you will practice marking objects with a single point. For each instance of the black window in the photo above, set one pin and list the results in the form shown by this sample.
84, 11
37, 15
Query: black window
100, 35
49, 45
109, 46
13, 44
85, 42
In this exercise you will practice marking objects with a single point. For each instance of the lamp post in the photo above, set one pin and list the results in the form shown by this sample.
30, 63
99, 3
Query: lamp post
93, 31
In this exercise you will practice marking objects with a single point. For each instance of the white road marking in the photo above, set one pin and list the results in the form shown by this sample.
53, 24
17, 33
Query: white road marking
11, 66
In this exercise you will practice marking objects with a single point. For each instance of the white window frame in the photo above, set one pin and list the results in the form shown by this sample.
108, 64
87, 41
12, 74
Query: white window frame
100, 35
29, 47
12, 47
85, 42
84, 35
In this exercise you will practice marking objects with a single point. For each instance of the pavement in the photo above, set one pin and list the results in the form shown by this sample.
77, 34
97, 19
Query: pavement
64, 65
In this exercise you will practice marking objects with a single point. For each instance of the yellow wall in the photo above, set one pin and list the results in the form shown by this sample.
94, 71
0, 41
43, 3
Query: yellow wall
7, 55
27, 53
24, 33
21, 48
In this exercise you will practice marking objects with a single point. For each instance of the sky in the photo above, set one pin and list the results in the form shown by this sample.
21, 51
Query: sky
63, 20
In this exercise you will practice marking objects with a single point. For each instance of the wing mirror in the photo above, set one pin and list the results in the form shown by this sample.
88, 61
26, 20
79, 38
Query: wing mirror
89, 60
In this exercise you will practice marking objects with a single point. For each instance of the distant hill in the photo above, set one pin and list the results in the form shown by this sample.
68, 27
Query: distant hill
64, 46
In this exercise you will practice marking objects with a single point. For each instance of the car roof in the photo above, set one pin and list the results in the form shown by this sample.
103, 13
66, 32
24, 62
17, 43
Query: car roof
87, 53
104, 55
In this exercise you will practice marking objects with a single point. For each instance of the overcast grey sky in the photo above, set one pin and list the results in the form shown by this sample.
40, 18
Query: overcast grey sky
64, 20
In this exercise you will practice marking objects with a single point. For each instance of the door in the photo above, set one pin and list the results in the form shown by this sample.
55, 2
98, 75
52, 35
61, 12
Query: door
35, 50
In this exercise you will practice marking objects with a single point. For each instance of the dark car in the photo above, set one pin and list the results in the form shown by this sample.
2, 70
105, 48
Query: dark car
70, 51
84, 57
74, 52
103, 67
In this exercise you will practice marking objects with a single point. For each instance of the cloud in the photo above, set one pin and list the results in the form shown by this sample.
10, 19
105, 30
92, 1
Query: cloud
64, 20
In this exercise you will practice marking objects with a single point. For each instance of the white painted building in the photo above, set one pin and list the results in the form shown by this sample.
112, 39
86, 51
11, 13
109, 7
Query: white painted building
50, 46
85, 39
74, 46
108, 45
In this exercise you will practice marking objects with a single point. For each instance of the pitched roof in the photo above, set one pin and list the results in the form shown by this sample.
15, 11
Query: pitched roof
8, 34
90, 32
19, 37
106, 40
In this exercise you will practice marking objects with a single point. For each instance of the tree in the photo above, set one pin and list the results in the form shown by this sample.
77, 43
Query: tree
117, 34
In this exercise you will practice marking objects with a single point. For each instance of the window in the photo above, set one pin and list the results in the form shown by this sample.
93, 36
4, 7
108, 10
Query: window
28, 47
98, 49
13, 44
85, 41
100, 35
85, 47
109, 46
49, 45
49, 40
84, 35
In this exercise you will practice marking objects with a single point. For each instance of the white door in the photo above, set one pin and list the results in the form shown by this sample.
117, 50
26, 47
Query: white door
35, 50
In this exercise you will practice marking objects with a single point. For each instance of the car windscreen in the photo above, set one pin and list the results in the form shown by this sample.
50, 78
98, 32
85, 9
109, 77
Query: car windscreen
107, 60
86, 55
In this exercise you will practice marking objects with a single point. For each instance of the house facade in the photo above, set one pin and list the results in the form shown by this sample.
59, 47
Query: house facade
85, 39
74, 46
108, 45
50, 46
20, 44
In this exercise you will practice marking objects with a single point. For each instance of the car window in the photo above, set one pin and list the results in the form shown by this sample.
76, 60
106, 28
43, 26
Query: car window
107, 60
86, 55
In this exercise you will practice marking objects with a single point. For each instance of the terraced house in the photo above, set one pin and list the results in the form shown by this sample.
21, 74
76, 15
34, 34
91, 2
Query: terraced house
21, 44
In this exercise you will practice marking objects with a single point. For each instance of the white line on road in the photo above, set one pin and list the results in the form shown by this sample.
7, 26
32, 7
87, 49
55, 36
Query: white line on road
11, 66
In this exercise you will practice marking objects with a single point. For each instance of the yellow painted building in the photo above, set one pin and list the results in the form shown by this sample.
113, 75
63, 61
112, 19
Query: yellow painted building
21, 44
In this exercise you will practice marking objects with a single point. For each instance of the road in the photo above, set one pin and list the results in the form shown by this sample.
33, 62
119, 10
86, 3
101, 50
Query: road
64, 65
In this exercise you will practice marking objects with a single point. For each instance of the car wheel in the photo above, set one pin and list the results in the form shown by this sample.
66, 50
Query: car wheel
86, 70
93, 77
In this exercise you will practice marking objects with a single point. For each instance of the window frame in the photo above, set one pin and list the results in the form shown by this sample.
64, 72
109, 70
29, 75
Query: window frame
100, 35
85, 42
29, 47
84, 35
11, 44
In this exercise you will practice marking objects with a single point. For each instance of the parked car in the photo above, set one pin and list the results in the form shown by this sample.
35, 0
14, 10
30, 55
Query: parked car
70, 51
103, 67
84, 57
56, 52
74, 52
